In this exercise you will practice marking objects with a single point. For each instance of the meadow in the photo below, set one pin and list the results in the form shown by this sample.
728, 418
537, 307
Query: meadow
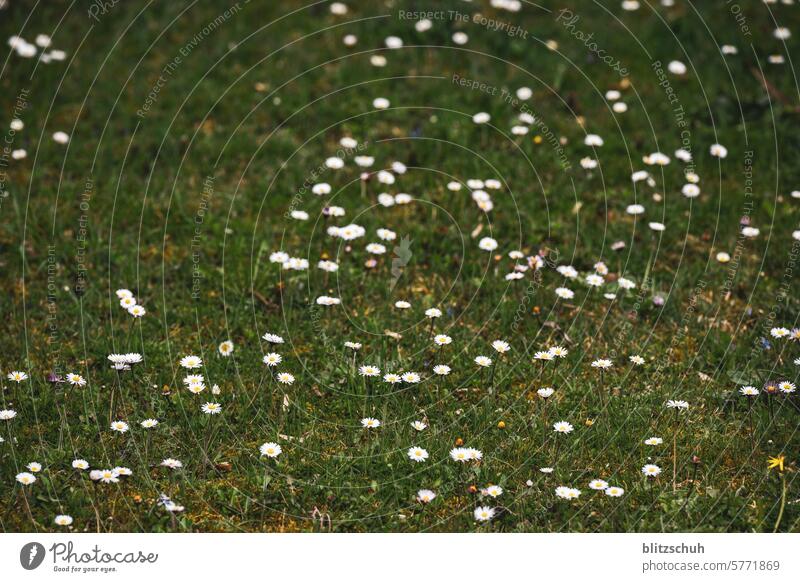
399, 267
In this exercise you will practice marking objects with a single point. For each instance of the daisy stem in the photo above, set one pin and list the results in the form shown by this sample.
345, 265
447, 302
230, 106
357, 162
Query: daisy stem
206, 440
266, 476
111, 408
544, 421
555, 454
147, 448
28, 507
602, 389
690, 489
675, 453
366, 394
750, 420
783, 503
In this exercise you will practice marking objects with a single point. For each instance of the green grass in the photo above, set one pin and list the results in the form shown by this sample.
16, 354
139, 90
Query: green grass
262, 101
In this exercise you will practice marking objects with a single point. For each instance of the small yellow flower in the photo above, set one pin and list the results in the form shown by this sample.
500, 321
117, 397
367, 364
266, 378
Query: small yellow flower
776, 462
589, 422
501, 424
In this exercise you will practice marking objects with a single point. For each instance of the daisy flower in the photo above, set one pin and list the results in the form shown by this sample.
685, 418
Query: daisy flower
442, 340
137, 311
543, 356
718, 150
369, 422
119, 426
433, 313
7, 414
417, 454
369, 371
285, 378
76, 379
355, 346
569, 493
748, 391
563, 427
171, 463
418, 425
328, 266
191, 362
26, 478
567, 271
272, 338
500, 346
272, 359
225, 348
211, 408
484, 513
613, 491
487, 244
80, 464
149, 423
558, 351
598, 484
593, 140
410, 377
402, 304
425, 495
483, 361
564, 293
650, 470
441, 370
64, 520
602, 364
653, 441
459, 454
270, 450
545, 392
105, 476
493, 491
34, 467
460, 37
678, 404
392, 378
17, 376
637, 360
127, 302
474, 454
594, 280
786, 387
386, 234
278, 257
